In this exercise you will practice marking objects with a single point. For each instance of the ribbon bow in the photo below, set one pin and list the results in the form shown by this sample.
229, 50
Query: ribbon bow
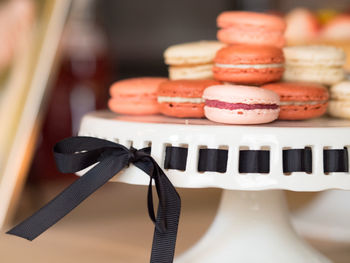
76, 153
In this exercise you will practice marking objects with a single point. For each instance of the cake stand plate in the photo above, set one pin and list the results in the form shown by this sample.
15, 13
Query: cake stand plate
252, 224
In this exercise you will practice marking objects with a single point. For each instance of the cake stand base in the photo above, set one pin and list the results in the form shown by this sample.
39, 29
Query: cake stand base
251, 227
326, 218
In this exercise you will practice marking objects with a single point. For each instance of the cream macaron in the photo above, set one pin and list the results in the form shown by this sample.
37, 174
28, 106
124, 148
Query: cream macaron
235, 104
192, 60
321, 64
339, 106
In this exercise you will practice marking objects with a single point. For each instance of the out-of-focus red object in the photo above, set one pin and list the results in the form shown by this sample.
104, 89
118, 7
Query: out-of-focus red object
324, 27
338, 28
81, 86
302, 26
16, 21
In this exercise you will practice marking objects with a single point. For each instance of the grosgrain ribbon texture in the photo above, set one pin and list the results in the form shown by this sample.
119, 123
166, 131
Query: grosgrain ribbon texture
77, 153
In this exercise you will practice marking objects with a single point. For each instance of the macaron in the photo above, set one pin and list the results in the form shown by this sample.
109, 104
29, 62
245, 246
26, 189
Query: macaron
339, 105
234, 104
321, 64
136, 96
183, 98
239, 27
300, 101
248, 64
192, 60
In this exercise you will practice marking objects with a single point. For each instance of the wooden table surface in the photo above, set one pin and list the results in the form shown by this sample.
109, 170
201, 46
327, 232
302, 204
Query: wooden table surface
113, 226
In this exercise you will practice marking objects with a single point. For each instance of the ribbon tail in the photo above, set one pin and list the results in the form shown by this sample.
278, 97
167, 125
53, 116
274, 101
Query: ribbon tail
70, 198
163, 248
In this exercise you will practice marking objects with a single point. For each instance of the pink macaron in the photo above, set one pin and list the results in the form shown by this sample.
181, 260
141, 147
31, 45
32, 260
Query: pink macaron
239, 27
234, 104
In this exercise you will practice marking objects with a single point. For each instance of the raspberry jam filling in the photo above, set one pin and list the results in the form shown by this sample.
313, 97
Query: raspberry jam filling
239, 106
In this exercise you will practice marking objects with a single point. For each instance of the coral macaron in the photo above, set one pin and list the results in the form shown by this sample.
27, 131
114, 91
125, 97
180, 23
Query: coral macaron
136, 96
183, 98
233, 104
248, 64
300, 100
239, 27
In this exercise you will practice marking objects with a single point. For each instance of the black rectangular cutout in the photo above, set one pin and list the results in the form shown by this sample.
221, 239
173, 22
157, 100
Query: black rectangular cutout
212, 160
175, 158
254, 161
297, 160
335, 161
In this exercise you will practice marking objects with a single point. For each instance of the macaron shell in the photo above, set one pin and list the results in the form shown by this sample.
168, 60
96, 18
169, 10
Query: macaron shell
185, 88
298, 91
249, 54
133, 107
302, 112
248, 76
143, 85
318, 74
230, 18
339, 109
341, 91
240, 116
182, 110
239, 27
314, 55
194, 72
201, 52
339, 106
241, 94
241, 35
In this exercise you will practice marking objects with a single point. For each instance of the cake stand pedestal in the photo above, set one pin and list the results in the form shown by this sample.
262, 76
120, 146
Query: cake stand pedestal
252, 223
252, 226
325, 217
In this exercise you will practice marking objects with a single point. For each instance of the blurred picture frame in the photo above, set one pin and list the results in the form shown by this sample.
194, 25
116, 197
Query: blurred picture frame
22, 100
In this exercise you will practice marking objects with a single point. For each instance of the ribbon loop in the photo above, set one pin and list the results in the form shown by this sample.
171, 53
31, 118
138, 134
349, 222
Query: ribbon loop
76, 153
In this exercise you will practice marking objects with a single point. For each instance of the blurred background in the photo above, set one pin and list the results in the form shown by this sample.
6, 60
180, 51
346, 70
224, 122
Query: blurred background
104, 41
57, 61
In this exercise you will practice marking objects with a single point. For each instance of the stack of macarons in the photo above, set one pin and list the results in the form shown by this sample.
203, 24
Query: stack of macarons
249, 52
238, 79
253, 56
254, 53
318, 65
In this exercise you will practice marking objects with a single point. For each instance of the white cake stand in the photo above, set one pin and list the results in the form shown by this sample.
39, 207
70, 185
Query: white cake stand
251, 225
325, 218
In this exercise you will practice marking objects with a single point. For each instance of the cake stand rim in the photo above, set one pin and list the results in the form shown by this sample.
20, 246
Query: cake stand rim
93, 124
